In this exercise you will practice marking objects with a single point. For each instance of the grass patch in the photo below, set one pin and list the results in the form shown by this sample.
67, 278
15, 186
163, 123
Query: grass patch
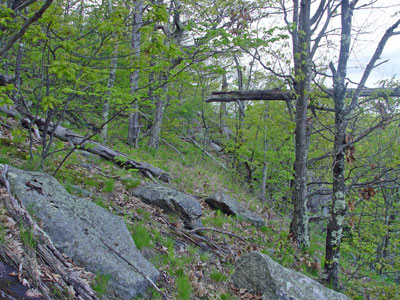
218, 276
183, 288
144, 214
226, 296
27, 237
100, 284
108, 185
141, 236
130, 183
204, 257
101, 202
2, 234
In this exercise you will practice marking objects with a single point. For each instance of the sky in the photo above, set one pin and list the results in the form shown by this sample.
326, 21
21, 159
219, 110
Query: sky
374, 22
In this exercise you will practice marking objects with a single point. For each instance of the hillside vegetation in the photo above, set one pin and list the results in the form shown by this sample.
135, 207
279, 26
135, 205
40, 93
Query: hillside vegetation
163, 85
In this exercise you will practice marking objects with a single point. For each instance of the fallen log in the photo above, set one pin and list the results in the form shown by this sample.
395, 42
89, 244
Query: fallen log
70, 136
279, 95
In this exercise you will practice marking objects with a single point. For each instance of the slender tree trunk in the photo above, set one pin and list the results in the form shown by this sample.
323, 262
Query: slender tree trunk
391, 197
156, 126
18, 63
133, 121
240, 114
299, 228
263, 194
225, 132
110, 83
339, 206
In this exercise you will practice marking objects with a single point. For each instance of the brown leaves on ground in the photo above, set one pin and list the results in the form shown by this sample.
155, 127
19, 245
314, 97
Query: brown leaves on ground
244, 293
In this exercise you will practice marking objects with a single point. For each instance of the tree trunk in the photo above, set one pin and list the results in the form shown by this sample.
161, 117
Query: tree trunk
263, 195
225, 132
133, 121
299, 229
339, 205
156, 127
110, 83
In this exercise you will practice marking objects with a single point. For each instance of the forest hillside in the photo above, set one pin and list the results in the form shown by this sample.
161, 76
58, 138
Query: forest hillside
217, 131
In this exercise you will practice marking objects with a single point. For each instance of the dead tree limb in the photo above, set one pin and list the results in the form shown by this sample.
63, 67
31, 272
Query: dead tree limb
278, 95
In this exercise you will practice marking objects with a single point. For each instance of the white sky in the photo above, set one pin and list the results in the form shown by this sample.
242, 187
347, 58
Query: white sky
374, 23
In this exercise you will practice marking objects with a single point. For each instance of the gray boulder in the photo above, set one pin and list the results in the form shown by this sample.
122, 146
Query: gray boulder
260, 274
172, 201
88, 234
230, 206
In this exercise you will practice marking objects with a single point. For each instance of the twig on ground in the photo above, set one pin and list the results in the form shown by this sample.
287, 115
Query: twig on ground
173, 148
217, 230
163, 295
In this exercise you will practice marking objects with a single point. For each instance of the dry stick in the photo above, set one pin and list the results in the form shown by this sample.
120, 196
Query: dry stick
187, 138
5, 125
173, 148
136, 269
216, 230
47, 249
210, 244
5, 296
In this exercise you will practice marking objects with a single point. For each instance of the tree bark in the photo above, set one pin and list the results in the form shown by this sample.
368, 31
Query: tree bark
339, 206
155, 129
299, 228
263, 194
225, 132
133, 121
110, 82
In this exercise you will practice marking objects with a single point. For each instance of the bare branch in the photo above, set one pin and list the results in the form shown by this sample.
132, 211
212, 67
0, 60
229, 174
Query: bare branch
24, 27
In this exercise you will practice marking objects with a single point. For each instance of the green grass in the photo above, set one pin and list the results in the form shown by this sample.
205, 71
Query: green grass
218, 276
2, 234
204, 257
101, 202
226, 296
108, 185
69, 187
217, 220
130, 183
27, 237
183, 287
100, 284
92, 182
144, 214
141, 236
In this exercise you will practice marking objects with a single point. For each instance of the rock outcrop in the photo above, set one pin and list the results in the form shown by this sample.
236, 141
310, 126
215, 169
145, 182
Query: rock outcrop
260, 274
172, 201
88, 234
230, 206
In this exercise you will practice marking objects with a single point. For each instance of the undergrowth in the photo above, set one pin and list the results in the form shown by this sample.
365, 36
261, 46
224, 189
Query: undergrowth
176, 257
